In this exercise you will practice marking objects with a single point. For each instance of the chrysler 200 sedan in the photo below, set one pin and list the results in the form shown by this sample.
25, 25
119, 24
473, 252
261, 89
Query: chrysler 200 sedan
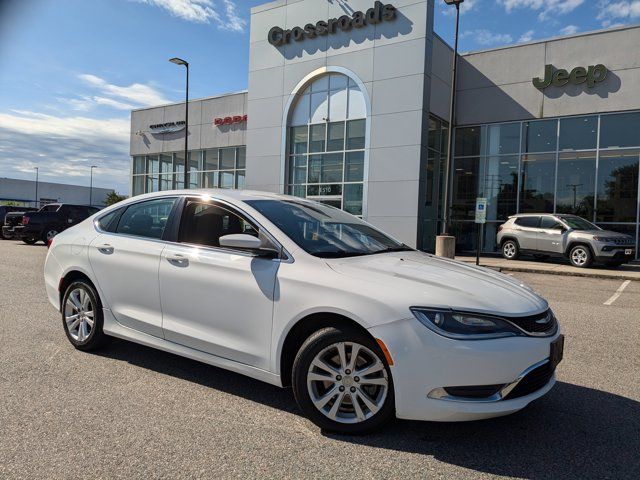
297, 293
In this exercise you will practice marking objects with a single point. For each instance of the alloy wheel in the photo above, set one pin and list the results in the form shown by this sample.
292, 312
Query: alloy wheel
579, 256
509, 249
79, 314
50, 234
347, 382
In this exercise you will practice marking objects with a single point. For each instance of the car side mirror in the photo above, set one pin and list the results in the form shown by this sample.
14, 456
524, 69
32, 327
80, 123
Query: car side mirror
243, 241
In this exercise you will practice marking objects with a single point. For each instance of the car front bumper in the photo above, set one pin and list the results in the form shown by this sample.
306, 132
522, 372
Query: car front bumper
615, 253
424, 363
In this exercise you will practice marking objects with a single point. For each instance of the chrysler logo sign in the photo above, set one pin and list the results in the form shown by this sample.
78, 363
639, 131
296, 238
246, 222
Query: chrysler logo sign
377, 14
559, 78
169, 127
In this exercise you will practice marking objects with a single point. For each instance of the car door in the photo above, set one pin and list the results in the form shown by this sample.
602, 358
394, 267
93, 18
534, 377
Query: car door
125, 259
551, 236
214, 299
527, 228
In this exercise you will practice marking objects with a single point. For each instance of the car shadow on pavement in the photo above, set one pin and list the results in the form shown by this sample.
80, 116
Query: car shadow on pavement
572, 432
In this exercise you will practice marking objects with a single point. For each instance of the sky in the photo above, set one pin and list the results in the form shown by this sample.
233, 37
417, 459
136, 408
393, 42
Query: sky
71, 70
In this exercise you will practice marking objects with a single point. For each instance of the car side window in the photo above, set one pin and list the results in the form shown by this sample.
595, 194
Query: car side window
146, 219
109, 222
528, 222
205, 223
550, 223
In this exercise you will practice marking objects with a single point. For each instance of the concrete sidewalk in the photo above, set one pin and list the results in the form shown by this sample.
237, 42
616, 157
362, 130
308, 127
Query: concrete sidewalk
556, 267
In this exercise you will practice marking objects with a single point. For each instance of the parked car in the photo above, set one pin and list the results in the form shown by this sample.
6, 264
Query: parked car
10, 209
293, 292
567, 236
50, 220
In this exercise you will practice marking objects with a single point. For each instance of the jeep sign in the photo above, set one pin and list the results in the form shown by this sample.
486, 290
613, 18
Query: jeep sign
559, 78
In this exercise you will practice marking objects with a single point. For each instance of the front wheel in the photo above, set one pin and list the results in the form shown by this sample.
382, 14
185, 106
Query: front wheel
580, 256
82, 316
342, 382
29, 240
510, 250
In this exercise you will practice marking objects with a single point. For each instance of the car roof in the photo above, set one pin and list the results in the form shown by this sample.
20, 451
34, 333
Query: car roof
221, 193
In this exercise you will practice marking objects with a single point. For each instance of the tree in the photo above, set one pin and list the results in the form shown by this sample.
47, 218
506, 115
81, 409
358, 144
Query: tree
113, 197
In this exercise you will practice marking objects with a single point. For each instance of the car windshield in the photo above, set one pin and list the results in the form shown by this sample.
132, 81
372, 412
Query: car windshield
325, 231
579, 223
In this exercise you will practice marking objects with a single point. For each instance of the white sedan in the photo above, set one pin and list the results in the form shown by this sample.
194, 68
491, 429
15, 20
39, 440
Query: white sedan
293, 292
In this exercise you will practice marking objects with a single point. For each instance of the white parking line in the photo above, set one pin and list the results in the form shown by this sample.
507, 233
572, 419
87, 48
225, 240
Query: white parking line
615, 296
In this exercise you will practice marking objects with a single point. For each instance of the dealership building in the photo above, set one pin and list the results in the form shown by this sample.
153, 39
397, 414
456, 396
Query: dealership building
347, 104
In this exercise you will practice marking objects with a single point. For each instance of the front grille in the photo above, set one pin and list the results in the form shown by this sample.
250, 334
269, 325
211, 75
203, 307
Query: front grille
543, 323
479, 391
623, 241
532, 382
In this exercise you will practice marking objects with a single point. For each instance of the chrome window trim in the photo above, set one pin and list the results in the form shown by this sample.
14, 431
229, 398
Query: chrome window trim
441, 394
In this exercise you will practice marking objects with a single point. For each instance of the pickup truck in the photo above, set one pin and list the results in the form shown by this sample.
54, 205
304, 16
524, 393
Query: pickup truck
14, 213
50, 220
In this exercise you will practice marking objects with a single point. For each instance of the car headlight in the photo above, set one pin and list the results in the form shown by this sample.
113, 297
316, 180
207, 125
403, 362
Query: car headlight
598, 238
464, 326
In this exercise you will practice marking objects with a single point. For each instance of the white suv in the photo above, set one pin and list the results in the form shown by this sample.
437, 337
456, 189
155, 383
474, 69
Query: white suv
293, 292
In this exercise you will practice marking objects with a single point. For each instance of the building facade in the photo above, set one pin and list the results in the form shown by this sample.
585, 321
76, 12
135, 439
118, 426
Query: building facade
25, 193
346, 105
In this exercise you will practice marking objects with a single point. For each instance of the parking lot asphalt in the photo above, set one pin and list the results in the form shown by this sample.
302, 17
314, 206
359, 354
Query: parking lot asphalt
128, 411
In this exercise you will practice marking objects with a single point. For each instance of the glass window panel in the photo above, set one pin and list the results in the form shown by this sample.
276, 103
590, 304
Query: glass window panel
338, 82
538, 183
319, 107
338, 105
580, 133
242, 157
467, 141
325, 190
335, 137
298, 169
618, 186
153, 164
466, 175
621, 130
138, 165
501, 139
194, 160
357, 104
356, 131
435, 131
318, 133
210, 180
227, 158
178, 164
540, 136
576, 184
501, 186
211, 159
298, 191
466, 234
166, 182
138, 185
353, 198
354, 167
240, 179
166, 163
300, 114
226, 180
152, 184
298, 137
315, 162
325, 168
321, 84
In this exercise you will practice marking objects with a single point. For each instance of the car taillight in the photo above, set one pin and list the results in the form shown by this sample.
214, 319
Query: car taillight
25, 220
49, 242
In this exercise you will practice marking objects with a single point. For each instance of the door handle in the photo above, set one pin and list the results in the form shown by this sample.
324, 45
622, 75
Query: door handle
178, 260
105, 248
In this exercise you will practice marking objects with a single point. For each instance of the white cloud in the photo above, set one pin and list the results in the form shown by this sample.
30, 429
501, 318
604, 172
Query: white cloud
487, 38
203, 11
569, 30
526, 36
624, 10
546, 8
465, 7
137, 93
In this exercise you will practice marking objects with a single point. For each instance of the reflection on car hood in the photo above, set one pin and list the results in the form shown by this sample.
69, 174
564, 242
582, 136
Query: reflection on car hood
429, 281
603, 233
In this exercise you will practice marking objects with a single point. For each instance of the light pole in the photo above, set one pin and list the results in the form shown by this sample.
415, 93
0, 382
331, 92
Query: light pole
91, 185
179, 61
37, 173
446, 244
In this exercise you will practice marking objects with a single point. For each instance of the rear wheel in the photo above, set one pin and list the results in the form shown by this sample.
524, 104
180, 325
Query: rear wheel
48, 234
29, 240
342, 382
580, 256
510, 249
82, 316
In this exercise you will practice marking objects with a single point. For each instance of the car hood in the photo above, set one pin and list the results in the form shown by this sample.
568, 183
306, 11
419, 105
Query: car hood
602, 233
424, 280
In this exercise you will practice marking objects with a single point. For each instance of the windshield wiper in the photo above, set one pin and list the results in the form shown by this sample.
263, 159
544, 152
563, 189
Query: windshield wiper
401, 248
339, 254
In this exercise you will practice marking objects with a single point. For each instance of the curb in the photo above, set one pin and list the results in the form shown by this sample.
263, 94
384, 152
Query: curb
561, 273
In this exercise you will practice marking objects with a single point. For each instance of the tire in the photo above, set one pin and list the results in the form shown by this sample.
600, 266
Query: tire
29, 240
80, 298
510, 249
48, 233
580, 256
345, 417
